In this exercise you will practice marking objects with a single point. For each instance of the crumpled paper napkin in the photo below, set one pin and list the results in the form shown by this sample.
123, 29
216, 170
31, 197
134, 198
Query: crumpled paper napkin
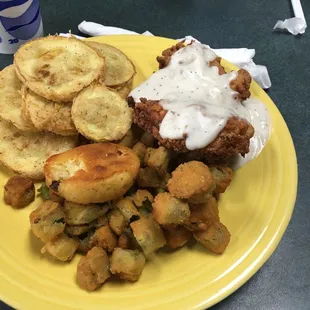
241, 57
295, 25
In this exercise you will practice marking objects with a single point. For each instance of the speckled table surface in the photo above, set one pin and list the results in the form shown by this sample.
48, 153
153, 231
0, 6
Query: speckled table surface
284, 281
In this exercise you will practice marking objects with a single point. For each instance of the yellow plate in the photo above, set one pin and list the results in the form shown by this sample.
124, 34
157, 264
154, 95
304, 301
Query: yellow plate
256, 209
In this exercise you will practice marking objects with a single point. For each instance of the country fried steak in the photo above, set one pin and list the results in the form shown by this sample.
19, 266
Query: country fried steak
232, 140
235, 137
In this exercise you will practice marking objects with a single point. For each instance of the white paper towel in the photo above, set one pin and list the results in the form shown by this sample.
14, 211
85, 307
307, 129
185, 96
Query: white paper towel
295, 25
241, 57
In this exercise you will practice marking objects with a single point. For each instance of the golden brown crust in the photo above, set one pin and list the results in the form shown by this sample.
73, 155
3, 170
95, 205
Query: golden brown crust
232, 140
57, 68
192, 180
164, 60
93, 269
92, 173
19, 191
241, 84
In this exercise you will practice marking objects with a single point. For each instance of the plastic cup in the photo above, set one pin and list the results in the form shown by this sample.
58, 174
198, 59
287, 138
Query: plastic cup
20, 21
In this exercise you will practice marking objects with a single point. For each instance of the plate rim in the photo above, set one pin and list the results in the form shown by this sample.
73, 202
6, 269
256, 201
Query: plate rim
255, 265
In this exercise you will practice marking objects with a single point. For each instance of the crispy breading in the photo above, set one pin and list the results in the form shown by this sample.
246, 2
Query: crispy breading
11, 100
176, 235
93, 269
57, 68
192, 181
19, 191
47, 115
232, 140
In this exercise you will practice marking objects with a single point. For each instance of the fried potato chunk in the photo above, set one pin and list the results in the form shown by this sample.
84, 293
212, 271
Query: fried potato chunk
93, 269
47, 221
100, 114
19, 191
104, 238
215, 238
57, 68
192, 181
203, 215
26, 152
119, 70
127, 264
148, 234
92, 173
170, 210
62, 247
11, 100
77, 214
176, 236
46, 115
157, 159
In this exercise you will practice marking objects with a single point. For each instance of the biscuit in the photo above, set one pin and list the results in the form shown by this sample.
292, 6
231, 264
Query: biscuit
92, 173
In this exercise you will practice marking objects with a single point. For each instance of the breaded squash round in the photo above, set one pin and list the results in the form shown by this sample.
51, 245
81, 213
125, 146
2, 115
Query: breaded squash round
47, 115
124, 90
57, 68
92, 173
193, 181
100, 114
11, 100
118, 67
26, 152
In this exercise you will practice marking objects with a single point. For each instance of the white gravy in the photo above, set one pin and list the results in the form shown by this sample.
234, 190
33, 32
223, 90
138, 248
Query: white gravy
199, 101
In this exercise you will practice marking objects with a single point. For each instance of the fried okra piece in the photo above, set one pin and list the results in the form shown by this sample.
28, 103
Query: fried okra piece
148, 234
104, 238
47, 221
117, 221
127, 264
77, 214
192, 181
170, 210
55, 197
127, 209
148, 177
76, 230
131, 137
157, 159
215, 238
19, 191
62, 247
147, 139
222, 176
203, 215
176, 236
140, 149
93, 269
124, 241
140, 196
84, 240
